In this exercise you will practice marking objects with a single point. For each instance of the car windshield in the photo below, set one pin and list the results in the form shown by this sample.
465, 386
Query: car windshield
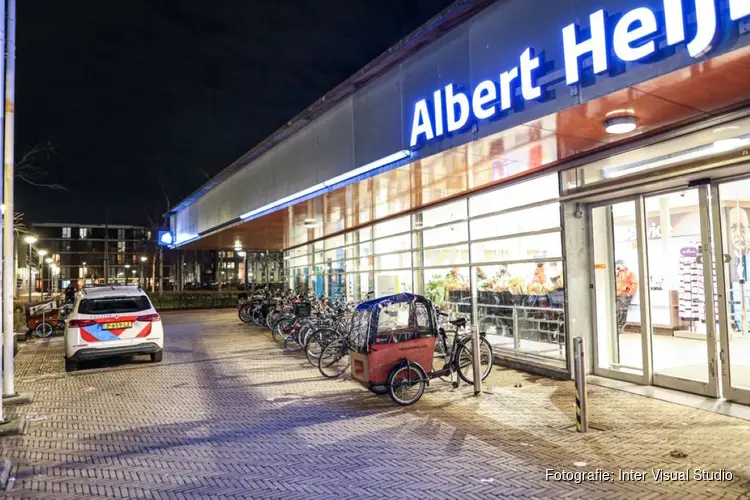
113, 305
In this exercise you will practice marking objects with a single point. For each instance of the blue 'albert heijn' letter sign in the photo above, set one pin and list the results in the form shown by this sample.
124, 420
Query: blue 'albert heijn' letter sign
632, 37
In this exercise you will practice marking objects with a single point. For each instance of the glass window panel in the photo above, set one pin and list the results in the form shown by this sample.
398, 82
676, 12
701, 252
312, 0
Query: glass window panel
339, 265
335, 242
365, 249
351, 251
318, 246
454, 233
319, 257
734, 199
541, 246
531, 219
393, 261
336, 254
337, 285
449, 289
365, 264
393, 244
391, 282
367, 284
448, 256
523, 193
521, 308
445, 213
365, 234
394, 226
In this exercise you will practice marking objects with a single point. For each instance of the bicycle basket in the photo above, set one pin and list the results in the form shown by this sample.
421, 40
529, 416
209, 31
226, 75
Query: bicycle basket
302, 309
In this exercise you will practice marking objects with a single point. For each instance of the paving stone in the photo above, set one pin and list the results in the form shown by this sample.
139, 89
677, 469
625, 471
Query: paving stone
227, 414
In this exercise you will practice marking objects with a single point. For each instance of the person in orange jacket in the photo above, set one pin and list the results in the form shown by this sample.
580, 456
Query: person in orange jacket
627, 287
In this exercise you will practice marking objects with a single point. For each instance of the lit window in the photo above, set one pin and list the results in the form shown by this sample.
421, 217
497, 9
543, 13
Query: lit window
83, 232
66, 232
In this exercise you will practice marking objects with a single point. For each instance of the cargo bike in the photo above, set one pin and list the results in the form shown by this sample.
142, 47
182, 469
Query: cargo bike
396, 346
43, 318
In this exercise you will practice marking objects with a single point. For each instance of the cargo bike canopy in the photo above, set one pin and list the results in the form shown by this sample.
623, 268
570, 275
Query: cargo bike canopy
394, 318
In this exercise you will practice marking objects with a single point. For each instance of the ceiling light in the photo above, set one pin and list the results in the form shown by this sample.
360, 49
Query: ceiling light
620, 124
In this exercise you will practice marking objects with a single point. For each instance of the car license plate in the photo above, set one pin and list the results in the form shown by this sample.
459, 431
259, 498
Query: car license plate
117, 326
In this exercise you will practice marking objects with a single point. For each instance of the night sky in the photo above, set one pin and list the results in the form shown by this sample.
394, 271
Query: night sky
138, 94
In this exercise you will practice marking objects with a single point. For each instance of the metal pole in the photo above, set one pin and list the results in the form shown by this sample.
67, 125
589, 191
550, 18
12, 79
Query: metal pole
516, 339
9, 161
153, 272
8, 211
29, 273
161, 270
476, 356
246, 273
582, 417
106, 245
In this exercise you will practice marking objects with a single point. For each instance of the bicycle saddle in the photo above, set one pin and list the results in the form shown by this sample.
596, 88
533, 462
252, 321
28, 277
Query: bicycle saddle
459, 323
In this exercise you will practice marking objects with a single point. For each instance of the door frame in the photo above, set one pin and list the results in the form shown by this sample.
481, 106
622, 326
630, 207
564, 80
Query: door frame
644, 378
707, 235
724, 339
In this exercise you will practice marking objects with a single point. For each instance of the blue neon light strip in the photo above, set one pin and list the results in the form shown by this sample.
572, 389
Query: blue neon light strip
329, 184
311, 192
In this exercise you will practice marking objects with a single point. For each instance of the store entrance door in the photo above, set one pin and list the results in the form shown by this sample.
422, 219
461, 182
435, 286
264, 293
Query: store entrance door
656, 320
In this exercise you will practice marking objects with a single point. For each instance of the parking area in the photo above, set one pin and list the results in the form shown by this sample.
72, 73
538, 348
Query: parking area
227, 414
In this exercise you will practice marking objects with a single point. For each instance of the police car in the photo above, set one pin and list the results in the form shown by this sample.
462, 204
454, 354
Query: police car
112, 320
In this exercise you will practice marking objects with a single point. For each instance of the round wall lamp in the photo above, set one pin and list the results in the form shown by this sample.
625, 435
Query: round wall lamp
620, 124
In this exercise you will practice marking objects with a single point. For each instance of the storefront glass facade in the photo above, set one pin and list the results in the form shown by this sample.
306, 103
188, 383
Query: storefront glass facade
668, 254
495, 257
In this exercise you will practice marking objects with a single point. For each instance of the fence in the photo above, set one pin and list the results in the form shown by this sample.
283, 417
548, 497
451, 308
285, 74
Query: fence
193, 300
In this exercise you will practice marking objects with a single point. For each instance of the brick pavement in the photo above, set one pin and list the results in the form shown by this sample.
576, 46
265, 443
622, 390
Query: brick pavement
229, 415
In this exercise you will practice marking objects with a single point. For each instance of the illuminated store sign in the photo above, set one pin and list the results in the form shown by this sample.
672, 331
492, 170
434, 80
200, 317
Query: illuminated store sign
634, 37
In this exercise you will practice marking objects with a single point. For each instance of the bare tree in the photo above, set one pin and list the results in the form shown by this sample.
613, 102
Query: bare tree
29, 170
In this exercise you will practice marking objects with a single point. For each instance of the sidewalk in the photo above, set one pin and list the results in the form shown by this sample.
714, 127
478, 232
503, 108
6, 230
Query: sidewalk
229, 414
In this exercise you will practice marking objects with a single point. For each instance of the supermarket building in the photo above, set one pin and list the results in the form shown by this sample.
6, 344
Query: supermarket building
550, 169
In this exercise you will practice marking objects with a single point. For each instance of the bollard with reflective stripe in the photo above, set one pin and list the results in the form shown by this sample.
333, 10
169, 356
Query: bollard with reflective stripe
476, 358
582, 419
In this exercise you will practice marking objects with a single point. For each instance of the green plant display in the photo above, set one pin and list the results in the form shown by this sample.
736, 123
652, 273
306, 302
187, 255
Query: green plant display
435, 290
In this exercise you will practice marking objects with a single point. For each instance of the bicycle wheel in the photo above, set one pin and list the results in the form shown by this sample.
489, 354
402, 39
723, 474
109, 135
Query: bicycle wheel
43, 330
316, 342
334, 360
282, 330
291, 344
254, 316
406, 384
465, 360
244, 314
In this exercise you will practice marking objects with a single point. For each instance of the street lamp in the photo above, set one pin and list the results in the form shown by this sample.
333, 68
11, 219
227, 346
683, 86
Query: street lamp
30, 239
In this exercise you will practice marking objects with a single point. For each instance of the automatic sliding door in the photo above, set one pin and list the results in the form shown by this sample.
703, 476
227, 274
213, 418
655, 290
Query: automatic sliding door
732, 208
616, 281
682, 285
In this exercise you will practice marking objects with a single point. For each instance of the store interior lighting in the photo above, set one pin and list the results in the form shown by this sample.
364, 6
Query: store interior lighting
704, 151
